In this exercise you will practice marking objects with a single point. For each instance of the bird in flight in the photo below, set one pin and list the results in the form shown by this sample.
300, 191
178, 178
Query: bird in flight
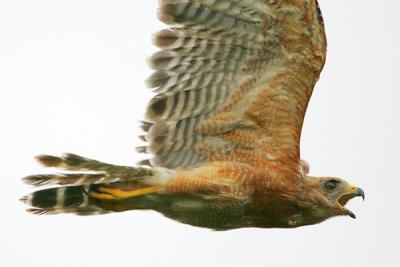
233, 79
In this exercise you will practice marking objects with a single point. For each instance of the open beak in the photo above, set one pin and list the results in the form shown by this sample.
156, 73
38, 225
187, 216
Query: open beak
343, 199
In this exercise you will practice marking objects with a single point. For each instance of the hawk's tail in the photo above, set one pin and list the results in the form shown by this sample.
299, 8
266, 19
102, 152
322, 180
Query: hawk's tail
93, 187
89, 171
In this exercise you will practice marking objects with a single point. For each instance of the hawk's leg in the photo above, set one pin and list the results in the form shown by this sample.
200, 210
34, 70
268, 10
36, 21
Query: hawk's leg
118, 194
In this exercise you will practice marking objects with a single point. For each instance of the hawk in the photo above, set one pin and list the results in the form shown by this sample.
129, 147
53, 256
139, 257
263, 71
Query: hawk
233, 79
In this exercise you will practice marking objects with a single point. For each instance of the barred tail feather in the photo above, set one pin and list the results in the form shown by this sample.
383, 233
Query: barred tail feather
88, 200
68, 179
72, 162
89, 171
69, 199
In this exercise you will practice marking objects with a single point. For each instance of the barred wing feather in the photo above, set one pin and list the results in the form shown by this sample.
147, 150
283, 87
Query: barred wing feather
222, 83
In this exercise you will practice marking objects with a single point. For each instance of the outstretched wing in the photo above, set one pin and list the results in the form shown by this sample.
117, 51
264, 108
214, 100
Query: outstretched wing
233, 78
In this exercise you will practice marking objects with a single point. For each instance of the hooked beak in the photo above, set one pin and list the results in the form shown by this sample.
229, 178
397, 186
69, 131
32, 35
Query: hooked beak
343, 199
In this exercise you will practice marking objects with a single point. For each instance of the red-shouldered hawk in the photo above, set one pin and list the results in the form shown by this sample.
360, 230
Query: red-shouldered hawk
233, 80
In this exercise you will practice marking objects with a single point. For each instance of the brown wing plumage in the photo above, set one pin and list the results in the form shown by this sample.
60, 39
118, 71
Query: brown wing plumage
233, 80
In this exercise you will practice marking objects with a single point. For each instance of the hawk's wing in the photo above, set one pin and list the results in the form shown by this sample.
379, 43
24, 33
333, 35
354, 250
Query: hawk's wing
233, 78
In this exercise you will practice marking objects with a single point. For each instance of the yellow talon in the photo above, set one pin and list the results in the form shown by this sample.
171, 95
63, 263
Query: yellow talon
116, 193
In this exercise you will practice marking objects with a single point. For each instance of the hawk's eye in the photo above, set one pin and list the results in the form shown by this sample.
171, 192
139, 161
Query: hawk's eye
331, 185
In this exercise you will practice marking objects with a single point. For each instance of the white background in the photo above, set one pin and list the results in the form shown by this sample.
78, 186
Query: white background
71, 80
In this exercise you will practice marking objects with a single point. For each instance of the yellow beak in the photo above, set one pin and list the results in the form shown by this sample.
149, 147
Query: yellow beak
353, 192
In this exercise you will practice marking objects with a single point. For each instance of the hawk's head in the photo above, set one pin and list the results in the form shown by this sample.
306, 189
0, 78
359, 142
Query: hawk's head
334, 193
